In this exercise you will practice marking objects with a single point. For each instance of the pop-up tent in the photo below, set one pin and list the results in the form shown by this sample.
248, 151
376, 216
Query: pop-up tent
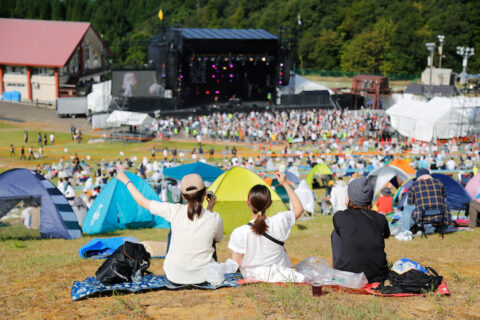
206, 171
402, 165
114, 209
57, 219
473, 186
457, 197
382, 175
231, 190
320, 169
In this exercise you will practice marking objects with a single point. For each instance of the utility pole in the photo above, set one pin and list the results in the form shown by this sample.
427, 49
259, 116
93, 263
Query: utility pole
431, 48
465, 52
441, 40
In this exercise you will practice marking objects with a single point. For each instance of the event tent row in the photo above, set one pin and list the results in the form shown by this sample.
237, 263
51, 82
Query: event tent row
438, 118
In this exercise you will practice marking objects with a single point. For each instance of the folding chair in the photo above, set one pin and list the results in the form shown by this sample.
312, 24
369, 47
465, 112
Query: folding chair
437, 225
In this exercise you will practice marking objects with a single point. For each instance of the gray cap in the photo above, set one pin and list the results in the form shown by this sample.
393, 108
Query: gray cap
360, 191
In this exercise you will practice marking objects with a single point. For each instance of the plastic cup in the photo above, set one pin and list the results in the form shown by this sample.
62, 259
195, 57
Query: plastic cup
316, 289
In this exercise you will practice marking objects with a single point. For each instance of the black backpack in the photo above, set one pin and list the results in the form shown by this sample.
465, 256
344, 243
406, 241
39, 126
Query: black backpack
412, 281
128, 262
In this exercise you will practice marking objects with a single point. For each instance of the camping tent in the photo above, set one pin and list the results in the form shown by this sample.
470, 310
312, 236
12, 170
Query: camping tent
57, 219
231, 190
402, 165
114, 208
473, 186
320, 169
382, 175
206, 171
457, 197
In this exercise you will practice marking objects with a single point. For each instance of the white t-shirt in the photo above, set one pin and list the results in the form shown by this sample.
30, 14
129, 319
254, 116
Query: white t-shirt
191, 243
257, 250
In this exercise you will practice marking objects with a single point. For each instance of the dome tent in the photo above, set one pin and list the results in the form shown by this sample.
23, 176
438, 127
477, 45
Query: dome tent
114, 209
231, 190
57, 219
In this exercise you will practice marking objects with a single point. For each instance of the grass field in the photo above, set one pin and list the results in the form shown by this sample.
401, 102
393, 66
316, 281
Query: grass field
36, 275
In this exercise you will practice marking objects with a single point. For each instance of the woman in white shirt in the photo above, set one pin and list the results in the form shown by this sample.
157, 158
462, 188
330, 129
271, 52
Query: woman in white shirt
193, 229
260, 243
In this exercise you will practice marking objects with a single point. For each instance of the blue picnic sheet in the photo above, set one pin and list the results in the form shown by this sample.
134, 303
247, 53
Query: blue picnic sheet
91, 286
102, 248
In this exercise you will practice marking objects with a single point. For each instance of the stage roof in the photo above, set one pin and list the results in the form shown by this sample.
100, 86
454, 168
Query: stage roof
226, 34
39, 43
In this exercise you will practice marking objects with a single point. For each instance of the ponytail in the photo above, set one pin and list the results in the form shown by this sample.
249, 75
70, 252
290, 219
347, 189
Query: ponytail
260, 200
194, 203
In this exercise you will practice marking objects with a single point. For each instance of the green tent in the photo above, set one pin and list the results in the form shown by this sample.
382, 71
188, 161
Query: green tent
231, 190
320, 169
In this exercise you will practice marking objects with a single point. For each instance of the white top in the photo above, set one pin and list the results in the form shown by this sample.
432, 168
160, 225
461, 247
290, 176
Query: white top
338, 197
191, 243
259, 251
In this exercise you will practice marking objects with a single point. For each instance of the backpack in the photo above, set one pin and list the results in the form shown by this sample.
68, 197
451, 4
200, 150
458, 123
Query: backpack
128, 263
412, 281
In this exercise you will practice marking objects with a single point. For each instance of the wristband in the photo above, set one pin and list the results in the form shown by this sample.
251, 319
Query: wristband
126, 184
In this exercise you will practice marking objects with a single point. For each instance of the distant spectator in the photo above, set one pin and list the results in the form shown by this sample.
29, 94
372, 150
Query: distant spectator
339, 196
12, 150
385, 202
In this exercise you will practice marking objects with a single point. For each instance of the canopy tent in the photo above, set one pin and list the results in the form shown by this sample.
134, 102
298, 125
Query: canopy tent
57, 219
473, 186
206, 171
320, 169
114, 209
231, 190
382, 175
302, 84
402, 165
439, 118
127, 118
457, 197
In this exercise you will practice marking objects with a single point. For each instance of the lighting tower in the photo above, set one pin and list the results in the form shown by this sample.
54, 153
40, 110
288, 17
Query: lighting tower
465, 52
431, 48
441, 40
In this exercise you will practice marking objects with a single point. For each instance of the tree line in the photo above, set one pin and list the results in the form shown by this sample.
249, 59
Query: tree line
371, 36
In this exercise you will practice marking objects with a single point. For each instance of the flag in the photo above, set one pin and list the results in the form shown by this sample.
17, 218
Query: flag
160, 15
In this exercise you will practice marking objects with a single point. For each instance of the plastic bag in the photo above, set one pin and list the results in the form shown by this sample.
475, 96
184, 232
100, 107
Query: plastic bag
216, 271
275, 274
318, 271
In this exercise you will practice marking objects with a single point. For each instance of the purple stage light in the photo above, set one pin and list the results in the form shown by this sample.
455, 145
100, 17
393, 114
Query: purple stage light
181, 76
213, 66
231, 75
231, 66
217, 92
281, 64
213, 76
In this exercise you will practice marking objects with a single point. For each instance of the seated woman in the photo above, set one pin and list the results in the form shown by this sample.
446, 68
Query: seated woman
358, 243
193, 229
260, 243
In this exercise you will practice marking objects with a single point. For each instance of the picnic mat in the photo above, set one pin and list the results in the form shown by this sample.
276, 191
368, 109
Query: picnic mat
367, 289
91, 286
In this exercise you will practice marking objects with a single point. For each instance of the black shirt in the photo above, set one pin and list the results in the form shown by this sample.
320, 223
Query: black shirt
358, 243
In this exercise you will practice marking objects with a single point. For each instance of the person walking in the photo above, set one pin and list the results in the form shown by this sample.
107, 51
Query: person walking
12, 150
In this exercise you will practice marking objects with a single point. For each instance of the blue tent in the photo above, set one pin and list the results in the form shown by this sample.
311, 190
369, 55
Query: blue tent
207, 172
457, 197
57, 219
114, 209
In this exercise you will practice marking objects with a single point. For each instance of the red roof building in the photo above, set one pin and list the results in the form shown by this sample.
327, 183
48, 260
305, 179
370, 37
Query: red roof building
44, 60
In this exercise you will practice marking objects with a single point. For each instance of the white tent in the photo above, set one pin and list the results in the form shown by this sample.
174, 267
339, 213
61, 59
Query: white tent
439, 118
302, 84
100, 97
381, 176
127, 118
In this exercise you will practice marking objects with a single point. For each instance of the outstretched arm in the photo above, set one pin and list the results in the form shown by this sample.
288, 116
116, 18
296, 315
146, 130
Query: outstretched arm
297, 207
137, 196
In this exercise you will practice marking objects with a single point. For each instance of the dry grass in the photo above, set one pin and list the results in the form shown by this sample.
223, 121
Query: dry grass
36, 278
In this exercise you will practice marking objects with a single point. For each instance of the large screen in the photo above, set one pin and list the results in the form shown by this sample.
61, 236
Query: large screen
136, 83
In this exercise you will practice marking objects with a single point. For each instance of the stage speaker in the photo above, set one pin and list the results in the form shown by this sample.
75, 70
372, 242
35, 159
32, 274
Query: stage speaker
172, 70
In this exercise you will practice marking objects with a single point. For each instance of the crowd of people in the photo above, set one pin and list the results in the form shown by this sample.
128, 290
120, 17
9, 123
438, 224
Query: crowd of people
289, 125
